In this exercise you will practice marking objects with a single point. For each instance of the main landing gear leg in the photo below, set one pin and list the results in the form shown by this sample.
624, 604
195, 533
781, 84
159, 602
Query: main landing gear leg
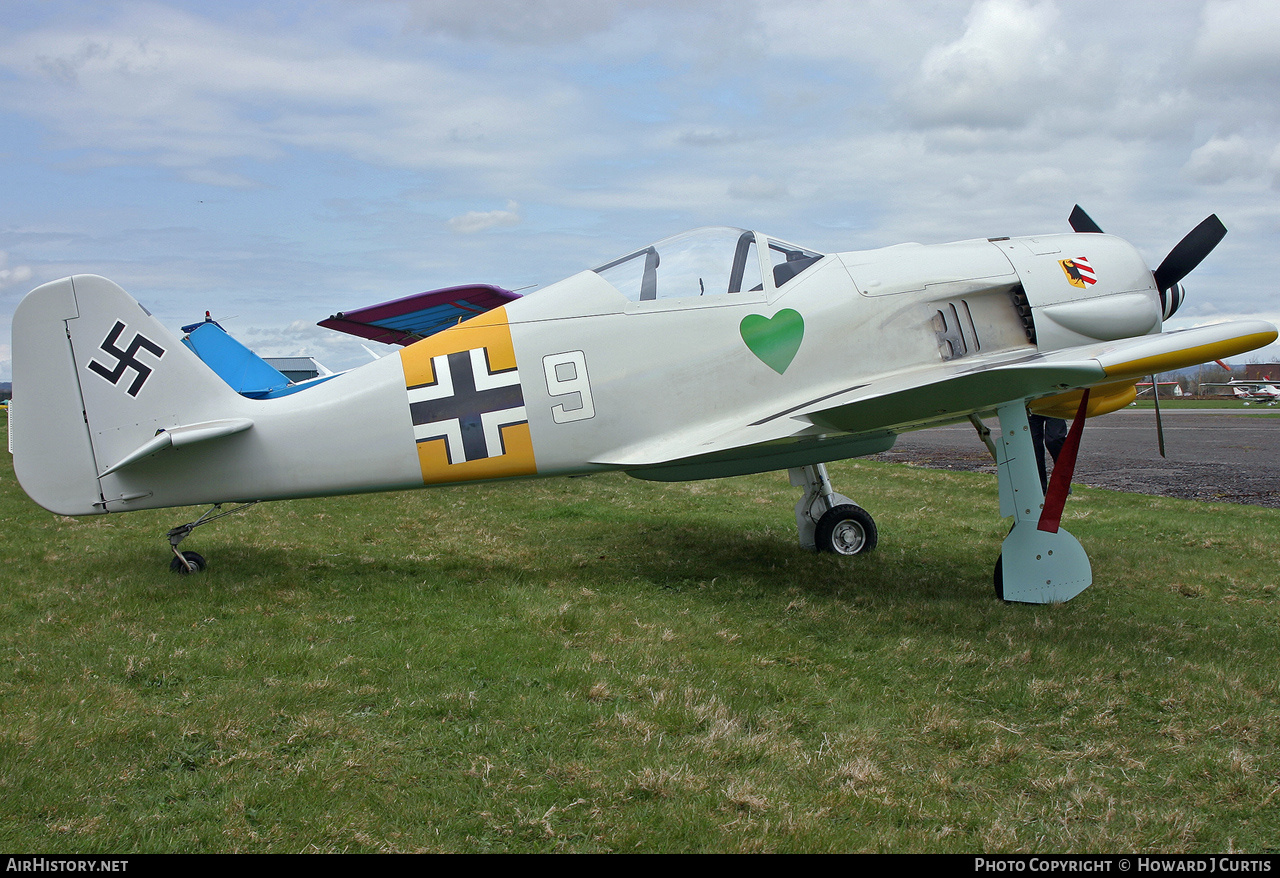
827, 521
186, 563
1039, 562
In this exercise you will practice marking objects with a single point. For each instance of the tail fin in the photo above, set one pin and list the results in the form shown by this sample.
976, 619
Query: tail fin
95, 379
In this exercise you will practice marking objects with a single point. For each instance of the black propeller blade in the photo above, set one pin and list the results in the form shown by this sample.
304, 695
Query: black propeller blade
1082, 222
1180, 262
1155, 394
1189, 252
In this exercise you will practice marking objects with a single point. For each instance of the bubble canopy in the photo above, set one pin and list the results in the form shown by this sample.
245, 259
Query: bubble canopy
713, 261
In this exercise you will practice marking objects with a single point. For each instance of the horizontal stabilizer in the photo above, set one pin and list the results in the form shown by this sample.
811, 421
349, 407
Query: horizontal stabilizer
176, 437
413, 318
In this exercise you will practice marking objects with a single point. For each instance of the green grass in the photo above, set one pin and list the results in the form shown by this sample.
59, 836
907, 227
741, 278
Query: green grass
1253, 410
1219, 403
610, 665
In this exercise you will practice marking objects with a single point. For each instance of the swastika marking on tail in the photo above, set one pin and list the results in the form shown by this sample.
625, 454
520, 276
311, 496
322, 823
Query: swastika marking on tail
126, 359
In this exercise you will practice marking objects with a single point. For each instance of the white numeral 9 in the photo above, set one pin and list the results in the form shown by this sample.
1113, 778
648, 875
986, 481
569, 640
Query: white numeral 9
567, 376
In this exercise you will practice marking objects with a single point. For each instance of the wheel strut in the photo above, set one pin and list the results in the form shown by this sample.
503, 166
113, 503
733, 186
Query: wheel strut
1039, 563
828, 521
191, 562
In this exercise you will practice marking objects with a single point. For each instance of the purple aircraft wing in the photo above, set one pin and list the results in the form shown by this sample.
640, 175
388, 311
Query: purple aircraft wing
413, 318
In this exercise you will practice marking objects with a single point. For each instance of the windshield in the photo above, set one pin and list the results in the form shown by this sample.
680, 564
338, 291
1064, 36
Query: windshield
703, 262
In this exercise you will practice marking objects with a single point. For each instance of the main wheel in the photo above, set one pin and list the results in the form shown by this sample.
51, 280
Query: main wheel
846, 530
194, 559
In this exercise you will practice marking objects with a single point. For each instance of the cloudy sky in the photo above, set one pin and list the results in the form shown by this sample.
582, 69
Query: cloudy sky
274, 162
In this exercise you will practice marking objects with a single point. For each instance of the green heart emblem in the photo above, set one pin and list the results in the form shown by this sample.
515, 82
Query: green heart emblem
775, 340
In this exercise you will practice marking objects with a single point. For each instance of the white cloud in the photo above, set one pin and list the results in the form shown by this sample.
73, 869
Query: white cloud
348, 141
1223, 159
1044, 179
1010, 61
474, 221
18, 274
708, 137
887, 35
163, 85
1239, 37
757, 188
301, 338
533, 22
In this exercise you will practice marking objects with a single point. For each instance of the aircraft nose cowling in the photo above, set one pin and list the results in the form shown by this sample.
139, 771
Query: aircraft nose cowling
1106, 318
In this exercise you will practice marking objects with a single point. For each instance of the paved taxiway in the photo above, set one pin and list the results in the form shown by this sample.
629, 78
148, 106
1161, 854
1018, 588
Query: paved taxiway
1229, 455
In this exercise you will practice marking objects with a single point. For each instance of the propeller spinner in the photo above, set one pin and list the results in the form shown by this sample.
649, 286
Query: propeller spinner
1181, 261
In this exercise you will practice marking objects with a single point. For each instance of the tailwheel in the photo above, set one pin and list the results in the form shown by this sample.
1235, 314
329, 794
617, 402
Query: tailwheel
186, 563
846, 529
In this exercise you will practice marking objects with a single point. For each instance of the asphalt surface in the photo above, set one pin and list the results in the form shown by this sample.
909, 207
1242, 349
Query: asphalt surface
1229, 455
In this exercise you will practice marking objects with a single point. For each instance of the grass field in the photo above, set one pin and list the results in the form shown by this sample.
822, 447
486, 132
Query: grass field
1253, 410
603, 664
1219, 402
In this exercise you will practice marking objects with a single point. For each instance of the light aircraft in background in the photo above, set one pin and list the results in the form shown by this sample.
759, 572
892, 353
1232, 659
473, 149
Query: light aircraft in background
718, 352
1167, 388
1251, 391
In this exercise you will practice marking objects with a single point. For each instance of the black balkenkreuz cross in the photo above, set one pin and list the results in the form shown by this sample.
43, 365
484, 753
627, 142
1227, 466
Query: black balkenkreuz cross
467, 406
126, 359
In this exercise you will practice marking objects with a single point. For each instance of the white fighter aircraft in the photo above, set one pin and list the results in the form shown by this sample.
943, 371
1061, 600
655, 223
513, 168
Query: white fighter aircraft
717, 352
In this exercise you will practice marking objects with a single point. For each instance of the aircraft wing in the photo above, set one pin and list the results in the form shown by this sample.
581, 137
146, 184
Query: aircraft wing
415, 317
949, 391
881, 407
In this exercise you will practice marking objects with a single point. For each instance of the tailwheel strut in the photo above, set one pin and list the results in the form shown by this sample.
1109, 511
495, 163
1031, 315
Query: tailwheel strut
186, 563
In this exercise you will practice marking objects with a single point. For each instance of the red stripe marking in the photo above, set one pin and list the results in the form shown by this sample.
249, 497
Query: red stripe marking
1063, 468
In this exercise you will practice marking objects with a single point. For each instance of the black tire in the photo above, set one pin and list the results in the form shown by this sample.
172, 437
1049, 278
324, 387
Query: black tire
846, 530
999, 578
195, 560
